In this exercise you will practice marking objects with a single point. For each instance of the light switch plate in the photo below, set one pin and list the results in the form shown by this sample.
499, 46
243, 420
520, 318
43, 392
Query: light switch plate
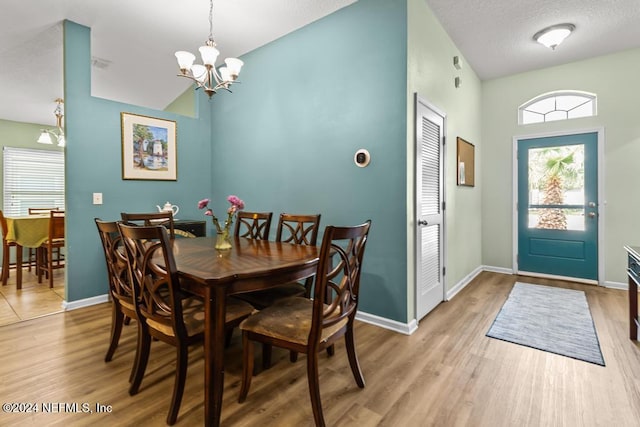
97, 198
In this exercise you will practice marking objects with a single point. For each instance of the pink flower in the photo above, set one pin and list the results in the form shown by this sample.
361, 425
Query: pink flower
203, 203
235, 201
208, 212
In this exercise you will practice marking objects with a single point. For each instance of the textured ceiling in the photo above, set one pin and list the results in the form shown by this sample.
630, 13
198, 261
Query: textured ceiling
137, 39
496, 36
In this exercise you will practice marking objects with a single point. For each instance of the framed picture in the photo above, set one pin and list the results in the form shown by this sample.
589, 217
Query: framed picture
466, 163
148, 148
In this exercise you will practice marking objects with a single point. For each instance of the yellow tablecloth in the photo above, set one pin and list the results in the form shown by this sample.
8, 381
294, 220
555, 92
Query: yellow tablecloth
28, 231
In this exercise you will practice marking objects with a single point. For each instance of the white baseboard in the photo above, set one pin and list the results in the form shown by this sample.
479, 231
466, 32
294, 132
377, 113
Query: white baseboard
372, 319
463, 283
492, 269
85, 302
617, 285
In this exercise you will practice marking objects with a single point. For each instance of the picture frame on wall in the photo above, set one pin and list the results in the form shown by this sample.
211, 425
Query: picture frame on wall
466, 163
148, 148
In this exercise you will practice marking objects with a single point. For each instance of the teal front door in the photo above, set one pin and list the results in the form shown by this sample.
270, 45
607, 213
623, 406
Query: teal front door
558, 205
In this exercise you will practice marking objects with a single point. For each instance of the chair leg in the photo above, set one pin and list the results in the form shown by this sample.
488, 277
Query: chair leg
227, 337
50, 267
314, 388
142, 357
331, 350
127, 320
117, 318
266, 356
293, 356
5, 265
353, 357
247, 367
178, 387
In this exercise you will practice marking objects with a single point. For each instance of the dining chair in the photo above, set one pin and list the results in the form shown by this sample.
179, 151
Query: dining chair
294, 229
253, 225
309, 326
6, 254
47, 259
298, 230
32, 254
165, 312
123, 304
164, 218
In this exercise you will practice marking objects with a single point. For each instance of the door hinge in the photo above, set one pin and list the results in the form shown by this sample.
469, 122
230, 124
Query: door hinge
444, 140
443, 206
444, 270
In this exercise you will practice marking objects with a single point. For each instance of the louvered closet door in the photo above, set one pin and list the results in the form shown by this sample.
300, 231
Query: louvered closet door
429, 203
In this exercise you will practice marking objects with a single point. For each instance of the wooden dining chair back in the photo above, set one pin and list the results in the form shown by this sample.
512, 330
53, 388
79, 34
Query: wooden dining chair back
164, 218
295, 229
50, 257
318, 322
41, 211
253, 225
123, 304
165, 311
6, 247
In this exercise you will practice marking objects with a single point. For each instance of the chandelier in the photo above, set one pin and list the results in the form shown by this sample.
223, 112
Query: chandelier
206, 76
45, 136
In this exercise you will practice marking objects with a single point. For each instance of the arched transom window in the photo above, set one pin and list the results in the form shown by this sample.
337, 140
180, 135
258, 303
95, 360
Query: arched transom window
561, 105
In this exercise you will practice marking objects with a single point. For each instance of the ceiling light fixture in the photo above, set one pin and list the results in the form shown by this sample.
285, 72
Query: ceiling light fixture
552, 36
206, 76
45, 136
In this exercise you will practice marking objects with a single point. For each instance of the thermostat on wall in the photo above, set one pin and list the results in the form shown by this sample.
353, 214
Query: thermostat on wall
362, 158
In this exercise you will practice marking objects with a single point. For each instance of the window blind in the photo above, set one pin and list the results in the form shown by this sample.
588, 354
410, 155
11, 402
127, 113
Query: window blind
32, 179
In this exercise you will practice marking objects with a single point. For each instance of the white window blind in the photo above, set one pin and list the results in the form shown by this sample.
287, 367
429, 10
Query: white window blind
32, 179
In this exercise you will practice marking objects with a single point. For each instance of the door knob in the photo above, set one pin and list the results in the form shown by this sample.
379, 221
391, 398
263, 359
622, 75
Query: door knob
591, 204
592, 214
422, 222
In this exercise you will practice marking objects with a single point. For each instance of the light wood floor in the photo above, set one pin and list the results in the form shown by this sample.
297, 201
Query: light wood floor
33, 300
448, 373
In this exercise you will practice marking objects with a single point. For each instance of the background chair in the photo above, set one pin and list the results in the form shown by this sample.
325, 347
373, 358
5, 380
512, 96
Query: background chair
164, 218
295, 229
253, 225
164, 311
33, 252
6, 260
309, 326
123, 304
47, 259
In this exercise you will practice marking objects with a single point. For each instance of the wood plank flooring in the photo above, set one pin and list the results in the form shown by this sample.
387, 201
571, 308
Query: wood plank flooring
448, 373
33, 300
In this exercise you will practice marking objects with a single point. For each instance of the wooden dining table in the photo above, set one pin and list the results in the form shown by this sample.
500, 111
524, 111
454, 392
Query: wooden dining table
27, 232
214, 274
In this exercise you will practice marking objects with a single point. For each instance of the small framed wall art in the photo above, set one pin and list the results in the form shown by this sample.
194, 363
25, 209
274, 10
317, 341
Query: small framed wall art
148, 148
466, 163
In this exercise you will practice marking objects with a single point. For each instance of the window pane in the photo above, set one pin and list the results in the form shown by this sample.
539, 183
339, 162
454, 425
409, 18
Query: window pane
543, 106
585, 110
32, 179
557, 219
555, 115
530, 117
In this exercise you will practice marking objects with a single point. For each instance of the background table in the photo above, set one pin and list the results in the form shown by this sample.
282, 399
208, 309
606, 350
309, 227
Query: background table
26, 231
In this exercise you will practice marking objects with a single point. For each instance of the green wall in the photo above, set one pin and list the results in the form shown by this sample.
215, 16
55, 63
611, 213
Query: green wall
284, 141
93, 164
614, 79
431, 74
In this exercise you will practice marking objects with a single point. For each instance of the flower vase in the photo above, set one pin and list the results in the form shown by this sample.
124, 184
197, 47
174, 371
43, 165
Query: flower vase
223, 240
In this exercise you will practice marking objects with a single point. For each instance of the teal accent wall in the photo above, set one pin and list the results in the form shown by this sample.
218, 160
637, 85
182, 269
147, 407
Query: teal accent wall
284, 141
93, 164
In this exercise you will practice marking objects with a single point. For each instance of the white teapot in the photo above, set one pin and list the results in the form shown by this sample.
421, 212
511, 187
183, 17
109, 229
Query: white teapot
169, 208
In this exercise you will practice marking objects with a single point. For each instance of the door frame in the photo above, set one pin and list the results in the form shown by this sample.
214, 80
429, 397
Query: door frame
416, 214
600, 209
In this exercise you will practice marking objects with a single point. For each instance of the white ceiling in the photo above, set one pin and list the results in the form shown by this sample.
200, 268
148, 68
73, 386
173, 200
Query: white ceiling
137, 39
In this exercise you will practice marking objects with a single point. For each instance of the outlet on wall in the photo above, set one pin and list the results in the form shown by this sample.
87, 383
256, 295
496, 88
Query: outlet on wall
97, 198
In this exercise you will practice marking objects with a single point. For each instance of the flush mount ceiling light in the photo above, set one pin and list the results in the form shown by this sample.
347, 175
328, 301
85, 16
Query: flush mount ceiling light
552, 36
45, 136
206, 76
